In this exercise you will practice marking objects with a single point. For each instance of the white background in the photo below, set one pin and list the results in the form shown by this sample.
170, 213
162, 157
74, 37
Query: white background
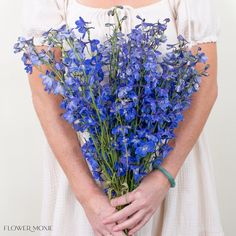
21, 138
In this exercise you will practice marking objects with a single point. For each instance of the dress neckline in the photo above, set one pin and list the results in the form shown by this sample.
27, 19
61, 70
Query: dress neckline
151, 5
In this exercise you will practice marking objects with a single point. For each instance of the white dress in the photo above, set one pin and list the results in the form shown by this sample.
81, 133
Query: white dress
189, 209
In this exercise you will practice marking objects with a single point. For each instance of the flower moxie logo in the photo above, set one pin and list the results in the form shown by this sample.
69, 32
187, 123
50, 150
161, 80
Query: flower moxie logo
30, 228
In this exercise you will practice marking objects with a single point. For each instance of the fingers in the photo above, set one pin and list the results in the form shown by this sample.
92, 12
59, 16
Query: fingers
105, 233
98, 234
105, 230
118, 234
140, 225
108, 229
121, 233
121, 221
121, 214
123, 200
131, 222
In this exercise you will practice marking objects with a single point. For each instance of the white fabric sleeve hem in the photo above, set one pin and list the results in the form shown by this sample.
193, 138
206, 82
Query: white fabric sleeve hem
210, 39
196, 20
39, 16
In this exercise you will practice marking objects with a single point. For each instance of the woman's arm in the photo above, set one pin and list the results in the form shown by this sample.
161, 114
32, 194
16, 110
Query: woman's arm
152, 190
61, 137
195, 117
65, 145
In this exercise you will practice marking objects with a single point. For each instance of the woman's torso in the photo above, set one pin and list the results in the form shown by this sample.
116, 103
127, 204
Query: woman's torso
109, 4
98, 16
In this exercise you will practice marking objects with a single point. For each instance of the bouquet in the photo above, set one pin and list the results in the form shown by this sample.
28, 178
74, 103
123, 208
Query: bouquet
125, 93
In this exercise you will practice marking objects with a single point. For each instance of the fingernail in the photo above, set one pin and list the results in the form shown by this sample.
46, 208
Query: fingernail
115, 228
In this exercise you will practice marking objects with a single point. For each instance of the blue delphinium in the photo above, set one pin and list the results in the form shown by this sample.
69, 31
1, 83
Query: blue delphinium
125, 93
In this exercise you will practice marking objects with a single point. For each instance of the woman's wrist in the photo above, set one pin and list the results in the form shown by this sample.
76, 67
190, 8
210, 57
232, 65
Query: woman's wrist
160, 179
85, 196
167, 175
173, 162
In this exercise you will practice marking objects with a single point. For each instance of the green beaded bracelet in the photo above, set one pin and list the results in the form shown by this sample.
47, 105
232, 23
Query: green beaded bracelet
168, 175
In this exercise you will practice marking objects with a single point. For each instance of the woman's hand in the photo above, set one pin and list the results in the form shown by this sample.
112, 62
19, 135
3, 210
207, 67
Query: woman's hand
96, 209
144, 201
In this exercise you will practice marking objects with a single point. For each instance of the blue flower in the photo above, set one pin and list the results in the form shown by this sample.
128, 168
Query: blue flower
145, 148
93, 44
81, 25
20, 45
59, 89
125, 93
203, 58
48, 81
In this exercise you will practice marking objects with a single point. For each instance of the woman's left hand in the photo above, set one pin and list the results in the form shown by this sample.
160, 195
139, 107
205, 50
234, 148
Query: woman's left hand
143, 202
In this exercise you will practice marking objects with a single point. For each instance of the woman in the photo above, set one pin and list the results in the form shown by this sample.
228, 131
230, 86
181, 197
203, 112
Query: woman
73, 203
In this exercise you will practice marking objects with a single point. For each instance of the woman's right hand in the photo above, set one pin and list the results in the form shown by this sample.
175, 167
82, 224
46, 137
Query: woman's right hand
96, 209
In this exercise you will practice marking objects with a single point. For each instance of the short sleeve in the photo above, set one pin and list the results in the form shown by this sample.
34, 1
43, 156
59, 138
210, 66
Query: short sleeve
196, 20
39, 16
